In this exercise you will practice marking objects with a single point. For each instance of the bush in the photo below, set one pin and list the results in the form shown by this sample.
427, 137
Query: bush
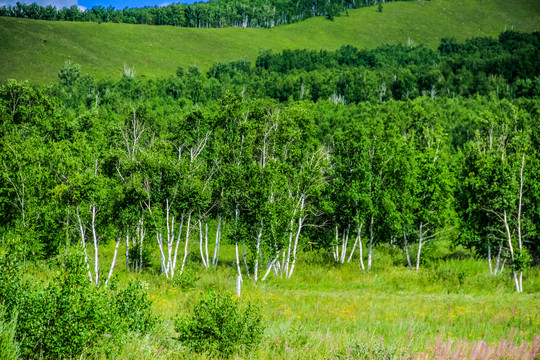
9, 348
220, 327
187, 281
134, 308
70, 316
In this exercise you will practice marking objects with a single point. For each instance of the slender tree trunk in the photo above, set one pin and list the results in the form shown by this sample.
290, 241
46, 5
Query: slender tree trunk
257, 253
489, 259
270, 266
83, 242
238, 262
345, 244
206, 243
360, 247
336, 247
203, 257
178, 240
218, 243
520, 278
291, 230
164, 264
127, 252
245, 259
186, 247
113, 263
407, 249
420, 243
509, 237
370, 244
96, 247
499, 259
356, 241
300, 224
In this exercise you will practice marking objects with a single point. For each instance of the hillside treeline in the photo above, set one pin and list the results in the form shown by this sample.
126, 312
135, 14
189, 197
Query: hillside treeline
173, 163
214, 14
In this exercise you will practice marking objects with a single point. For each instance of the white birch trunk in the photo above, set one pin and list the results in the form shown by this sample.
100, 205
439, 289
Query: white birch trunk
499, 259
127, 252
164, 263
359, 242
407, 250
218, 243
370, 252
300, 224
344, 245
96, 246
186, 246
489, 260
178, 240
203, 257
83, 242
238, 262
113, 263
520, 278
420, 243
509, 237
206, 243
257, 253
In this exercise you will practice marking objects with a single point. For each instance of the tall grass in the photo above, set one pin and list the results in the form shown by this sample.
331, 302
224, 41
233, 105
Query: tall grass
36, 50
327, 310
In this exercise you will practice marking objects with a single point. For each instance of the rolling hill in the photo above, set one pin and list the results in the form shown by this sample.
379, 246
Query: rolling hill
35, 50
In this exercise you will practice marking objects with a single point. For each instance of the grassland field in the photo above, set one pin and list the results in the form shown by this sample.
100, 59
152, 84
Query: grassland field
35, 50
326, 310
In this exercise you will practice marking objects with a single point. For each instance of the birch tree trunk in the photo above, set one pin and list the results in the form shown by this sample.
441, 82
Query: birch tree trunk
420, 243
83, 243
407, 250
113, 263
96, 246
370, 243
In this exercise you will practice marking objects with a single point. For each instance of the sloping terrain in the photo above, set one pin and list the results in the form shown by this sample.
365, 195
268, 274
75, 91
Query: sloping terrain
35, 50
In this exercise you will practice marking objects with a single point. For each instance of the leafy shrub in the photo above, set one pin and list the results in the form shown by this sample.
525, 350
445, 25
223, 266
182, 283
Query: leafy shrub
134, 308
187, 281
220, 327
69, 316
9, 348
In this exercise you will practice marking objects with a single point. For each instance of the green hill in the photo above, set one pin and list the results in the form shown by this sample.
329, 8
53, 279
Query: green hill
35, 50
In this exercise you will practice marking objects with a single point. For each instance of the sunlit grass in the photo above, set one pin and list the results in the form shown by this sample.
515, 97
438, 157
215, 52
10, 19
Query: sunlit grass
328, 310
36, 50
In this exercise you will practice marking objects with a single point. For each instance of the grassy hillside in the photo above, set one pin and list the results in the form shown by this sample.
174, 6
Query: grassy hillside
35, 50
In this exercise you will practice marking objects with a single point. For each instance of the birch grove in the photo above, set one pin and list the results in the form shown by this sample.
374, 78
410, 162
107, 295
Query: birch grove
266, 183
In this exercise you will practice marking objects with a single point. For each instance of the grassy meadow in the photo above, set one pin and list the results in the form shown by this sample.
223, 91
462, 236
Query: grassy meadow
35, 50
450, 307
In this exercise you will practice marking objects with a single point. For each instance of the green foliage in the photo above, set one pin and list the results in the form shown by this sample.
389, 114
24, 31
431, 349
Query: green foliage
69, 74
186, 281
220, 326
522, 260
133, 306
376, 350
69, 316
88, 44
9, 347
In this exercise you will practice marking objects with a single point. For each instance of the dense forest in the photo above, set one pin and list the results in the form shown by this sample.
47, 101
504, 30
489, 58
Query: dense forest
399, 146
214, 14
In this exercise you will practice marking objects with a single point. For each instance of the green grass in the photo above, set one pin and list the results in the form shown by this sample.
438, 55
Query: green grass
36, 50
325, 309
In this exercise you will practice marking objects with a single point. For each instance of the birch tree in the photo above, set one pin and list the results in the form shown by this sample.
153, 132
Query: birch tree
497, 183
